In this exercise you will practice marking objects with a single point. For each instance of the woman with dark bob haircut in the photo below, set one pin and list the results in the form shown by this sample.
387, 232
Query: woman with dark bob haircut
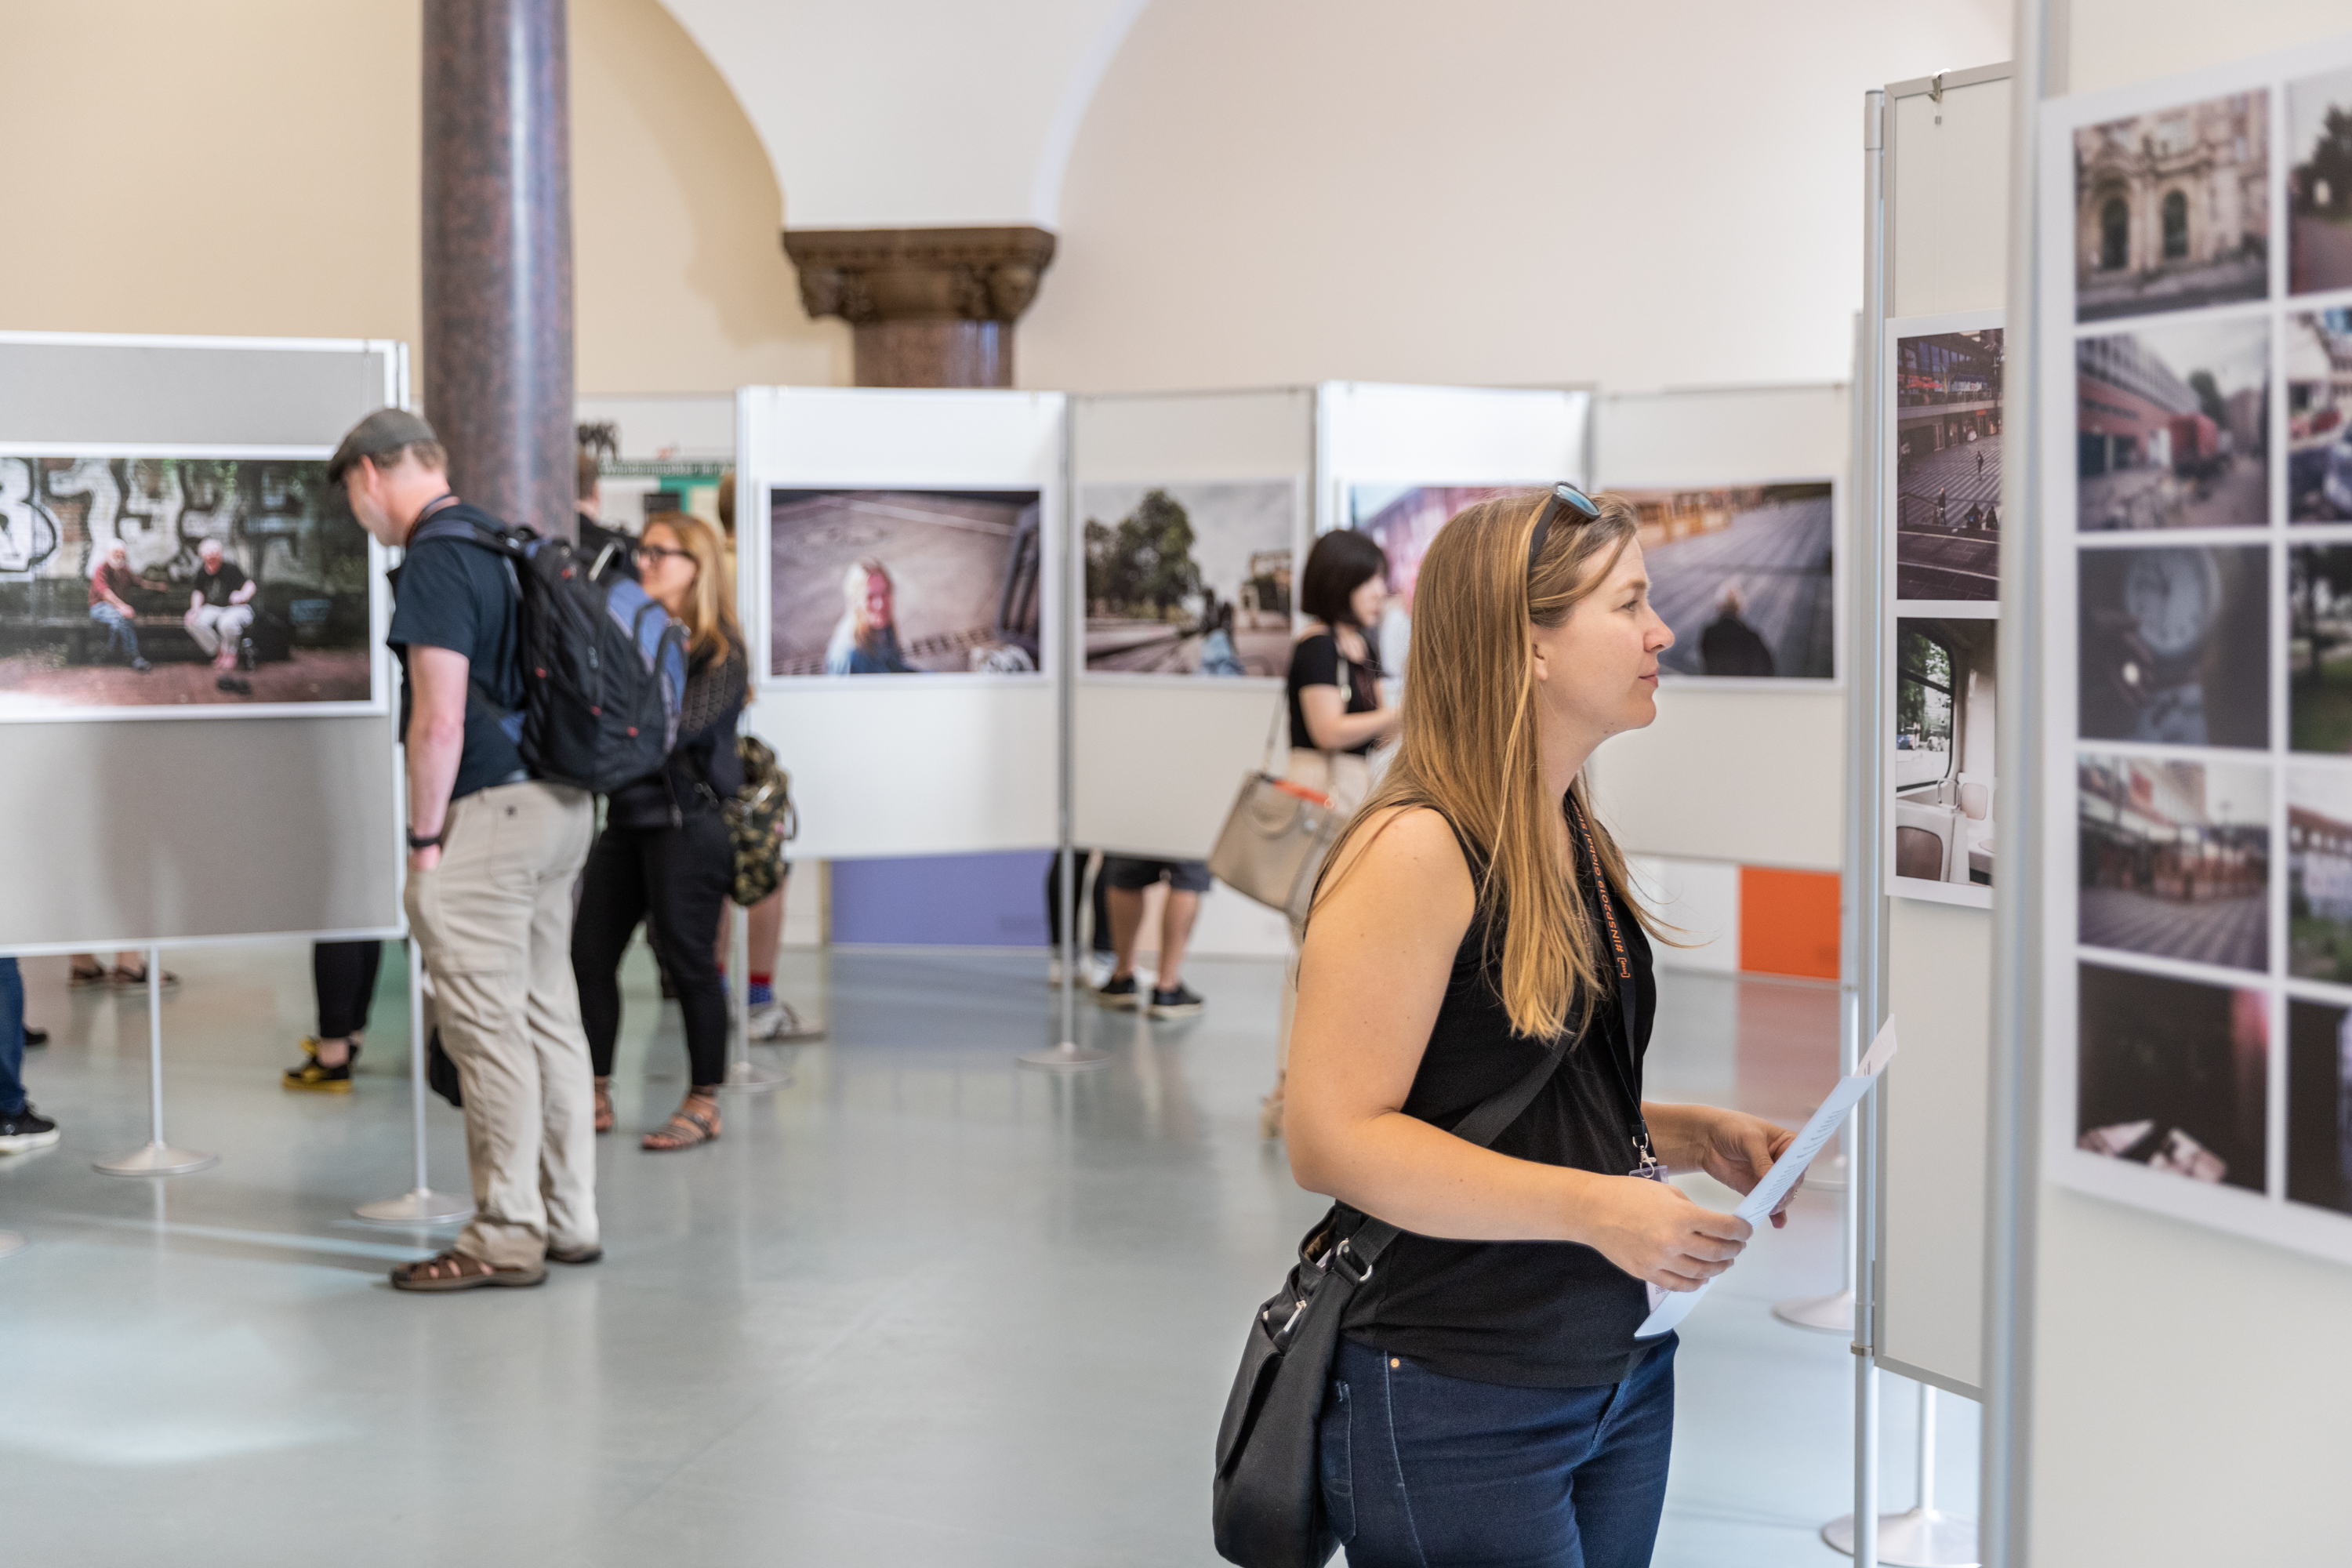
1338, 714
1488, 1401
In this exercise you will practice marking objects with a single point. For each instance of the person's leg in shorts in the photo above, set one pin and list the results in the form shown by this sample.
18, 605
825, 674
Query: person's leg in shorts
1187, 881
1125, 879
1419, 1469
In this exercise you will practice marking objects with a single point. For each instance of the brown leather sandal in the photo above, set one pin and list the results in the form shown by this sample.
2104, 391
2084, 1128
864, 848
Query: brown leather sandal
603, 1105
456, 1270
686, 1128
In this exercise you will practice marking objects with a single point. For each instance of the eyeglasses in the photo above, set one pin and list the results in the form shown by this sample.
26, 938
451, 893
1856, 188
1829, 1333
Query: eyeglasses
1563, 498
658, 553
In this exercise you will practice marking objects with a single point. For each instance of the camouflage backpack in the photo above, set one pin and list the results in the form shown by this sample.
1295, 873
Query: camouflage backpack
759, 822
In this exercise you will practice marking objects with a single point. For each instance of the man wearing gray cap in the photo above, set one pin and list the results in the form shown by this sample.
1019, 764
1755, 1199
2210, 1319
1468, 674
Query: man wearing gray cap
493, 854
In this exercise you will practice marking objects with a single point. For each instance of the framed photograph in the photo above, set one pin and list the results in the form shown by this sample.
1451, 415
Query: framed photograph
1945, 429
899, 582
184, 584
1745, 576
2172, 208
2319, 1104
2174, 1075
2319, 182
1940, 773
1190, 579
2318, 353
1402, 520
2173, 426
2173, 645
2175, 858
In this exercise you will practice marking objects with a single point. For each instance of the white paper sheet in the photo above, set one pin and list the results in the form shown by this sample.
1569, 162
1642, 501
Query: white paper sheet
1668, 1308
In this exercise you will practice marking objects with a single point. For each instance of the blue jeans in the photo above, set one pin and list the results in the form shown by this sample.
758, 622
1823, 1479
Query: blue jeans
12, 1037
122, 636
1425, 1471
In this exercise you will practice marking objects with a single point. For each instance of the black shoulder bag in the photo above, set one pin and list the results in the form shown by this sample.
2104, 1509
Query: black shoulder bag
1269, 1494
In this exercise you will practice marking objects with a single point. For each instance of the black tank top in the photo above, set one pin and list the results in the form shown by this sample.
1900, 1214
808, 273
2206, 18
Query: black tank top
1538, 1314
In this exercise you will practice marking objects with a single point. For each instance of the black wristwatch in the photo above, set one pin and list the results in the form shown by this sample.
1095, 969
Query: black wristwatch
414, 843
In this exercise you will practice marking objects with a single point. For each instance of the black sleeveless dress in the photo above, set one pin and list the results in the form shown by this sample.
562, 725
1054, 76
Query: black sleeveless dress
1537, 1314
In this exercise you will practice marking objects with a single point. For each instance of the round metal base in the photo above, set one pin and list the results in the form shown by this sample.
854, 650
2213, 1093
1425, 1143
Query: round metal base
157, 1160
1921, 1538
750, 1077
1067, 1056
1822, 1314
10, 1242
418, 1209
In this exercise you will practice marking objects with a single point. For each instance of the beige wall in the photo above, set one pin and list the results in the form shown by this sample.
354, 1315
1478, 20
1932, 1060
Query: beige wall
251, 167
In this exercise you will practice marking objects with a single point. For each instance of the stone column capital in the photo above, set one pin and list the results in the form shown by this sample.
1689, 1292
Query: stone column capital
867, 275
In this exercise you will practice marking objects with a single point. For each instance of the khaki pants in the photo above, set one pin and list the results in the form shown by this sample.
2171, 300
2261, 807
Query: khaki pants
494, 920
213, 624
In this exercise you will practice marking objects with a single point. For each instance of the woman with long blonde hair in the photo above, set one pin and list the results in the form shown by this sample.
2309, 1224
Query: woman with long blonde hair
1476, 932
665, 851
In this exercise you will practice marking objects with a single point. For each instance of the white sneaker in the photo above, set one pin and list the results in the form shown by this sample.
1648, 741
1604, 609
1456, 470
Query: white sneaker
777, 1021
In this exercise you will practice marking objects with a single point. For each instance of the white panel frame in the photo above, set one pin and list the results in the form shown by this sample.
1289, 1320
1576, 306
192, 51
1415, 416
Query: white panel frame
920, 764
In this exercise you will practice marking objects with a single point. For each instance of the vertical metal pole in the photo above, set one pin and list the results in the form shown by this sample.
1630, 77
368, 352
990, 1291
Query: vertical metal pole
157, 1158
743, 1073
1926, 1492
420, 1206
2013, 1101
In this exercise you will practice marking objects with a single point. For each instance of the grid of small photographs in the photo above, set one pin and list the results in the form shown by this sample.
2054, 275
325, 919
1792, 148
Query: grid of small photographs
2209, 899
1942, 424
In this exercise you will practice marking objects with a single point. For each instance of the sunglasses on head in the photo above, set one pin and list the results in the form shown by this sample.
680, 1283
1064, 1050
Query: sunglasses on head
1563, 498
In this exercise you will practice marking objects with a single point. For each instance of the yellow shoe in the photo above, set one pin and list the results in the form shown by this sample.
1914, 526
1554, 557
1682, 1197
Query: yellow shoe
319, 1079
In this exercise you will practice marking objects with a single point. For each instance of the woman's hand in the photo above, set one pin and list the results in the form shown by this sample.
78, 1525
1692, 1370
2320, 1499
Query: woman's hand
1653, 1231
1736, 1149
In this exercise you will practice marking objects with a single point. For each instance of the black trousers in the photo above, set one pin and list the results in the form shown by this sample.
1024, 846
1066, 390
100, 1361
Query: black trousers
680, 877
1102, 942
343, 973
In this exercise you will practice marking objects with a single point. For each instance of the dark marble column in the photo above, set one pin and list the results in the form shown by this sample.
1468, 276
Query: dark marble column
498, 255
930, 306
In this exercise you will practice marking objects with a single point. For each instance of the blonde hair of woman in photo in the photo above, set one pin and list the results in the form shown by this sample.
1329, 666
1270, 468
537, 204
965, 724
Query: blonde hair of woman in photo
665, 856
866, 640
1473, 917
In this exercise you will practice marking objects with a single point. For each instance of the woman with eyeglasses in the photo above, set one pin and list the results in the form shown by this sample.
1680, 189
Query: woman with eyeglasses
665, 850
1476, 941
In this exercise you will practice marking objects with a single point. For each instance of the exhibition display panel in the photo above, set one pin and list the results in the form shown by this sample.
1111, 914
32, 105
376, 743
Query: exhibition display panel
2195, 269
162, 500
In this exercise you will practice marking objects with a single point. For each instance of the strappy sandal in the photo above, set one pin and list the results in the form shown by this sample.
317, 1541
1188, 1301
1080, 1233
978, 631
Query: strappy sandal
603, 1105
128, 978
456, 1270
686, 1128
89, 979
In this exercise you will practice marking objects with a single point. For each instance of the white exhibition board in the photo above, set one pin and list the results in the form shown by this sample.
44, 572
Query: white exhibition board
130, 831
1679, 788
1159, 756
1386, 433
1947, 253
900, 765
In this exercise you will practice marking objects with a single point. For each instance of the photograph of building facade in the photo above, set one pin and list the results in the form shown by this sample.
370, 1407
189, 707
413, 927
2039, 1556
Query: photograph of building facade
2319, 417
142, 586
904, 583
2319, 184
1189, 579
2174, 858
1745, 577
2172, 1074
2319, 648
1942, 768
2174, 645
2172, 210
1947, 419
2319, 1104
2172, 425
2319, 866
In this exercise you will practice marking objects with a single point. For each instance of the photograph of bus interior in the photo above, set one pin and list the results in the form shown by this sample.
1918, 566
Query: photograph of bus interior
1943, 763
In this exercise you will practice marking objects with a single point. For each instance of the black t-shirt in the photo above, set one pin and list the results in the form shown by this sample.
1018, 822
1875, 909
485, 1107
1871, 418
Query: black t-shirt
1535, 1314
217, 586
456, 594
1316, 661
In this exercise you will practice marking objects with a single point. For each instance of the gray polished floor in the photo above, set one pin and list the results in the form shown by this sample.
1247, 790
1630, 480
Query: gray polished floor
919, 1306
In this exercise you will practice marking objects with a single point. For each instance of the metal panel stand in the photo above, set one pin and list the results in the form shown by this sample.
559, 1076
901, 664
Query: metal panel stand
420, 1206
744, 1076
1833, 1313
1068, 1055
1920, 1538
157, 1158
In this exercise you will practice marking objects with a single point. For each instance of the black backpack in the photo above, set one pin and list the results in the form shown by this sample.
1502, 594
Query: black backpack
604, 666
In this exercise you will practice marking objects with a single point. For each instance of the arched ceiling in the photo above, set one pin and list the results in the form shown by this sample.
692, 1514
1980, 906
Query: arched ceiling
904, 113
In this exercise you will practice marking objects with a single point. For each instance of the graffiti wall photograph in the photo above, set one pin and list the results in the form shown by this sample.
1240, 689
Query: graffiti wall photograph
1189, 579
182, 586
878, 582
1745, 576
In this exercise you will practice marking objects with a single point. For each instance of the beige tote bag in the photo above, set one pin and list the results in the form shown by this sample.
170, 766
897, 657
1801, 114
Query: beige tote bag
1280, 829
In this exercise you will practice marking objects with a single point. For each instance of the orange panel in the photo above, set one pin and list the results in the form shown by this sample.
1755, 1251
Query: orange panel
1789, 923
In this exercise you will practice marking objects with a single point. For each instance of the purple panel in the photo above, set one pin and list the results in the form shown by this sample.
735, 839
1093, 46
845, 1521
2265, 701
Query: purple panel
943, 900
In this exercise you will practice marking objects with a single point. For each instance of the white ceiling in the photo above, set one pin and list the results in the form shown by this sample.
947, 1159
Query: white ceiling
889, 113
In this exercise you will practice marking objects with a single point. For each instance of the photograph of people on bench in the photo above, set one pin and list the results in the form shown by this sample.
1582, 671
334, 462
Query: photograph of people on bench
159, 587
